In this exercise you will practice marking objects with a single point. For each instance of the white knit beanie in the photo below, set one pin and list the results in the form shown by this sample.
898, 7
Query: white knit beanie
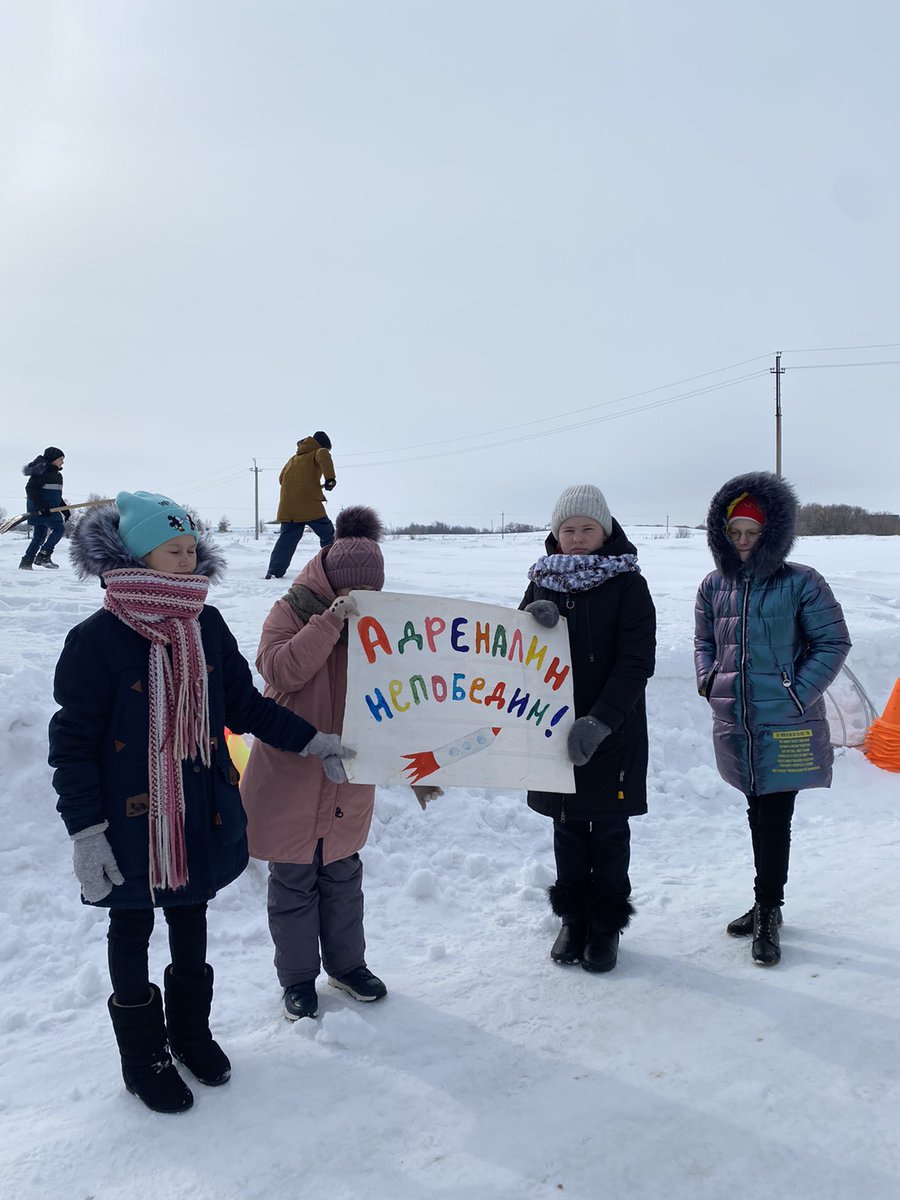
581, 500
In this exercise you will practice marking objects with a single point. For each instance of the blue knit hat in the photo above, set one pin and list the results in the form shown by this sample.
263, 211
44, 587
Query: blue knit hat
146, 520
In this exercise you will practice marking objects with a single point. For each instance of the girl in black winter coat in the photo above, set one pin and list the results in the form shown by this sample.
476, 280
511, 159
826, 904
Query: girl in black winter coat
146, 788
590, 576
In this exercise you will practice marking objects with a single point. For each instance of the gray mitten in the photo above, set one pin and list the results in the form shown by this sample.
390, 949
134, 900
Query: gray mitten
334, 769
95, 864
328, 747
324, 744
544, 612
425, 792
344, 607
584, 737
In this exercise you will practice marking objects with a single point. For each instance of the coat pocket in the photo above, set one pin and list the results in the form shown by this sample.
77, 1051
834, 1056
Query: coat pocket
229, 821
787, 682
706, 686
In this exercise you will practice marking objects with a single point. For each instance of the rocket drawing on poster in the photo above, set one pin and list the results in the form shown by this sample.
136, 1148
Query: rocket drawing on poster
426, 762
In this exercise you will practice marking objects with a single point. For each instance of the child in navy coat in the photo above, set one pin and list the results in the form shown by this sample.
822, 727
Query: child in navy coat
146, 788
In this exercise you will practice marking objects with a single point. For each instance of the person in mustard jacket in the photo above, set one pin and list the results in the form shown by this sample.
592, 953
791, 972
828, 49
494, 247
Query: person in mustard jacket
303, 479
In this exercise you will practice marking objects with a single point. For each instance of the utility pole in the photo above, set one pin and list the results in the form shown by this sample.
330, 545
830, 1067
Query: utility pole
502, 523
777, 371
256, 470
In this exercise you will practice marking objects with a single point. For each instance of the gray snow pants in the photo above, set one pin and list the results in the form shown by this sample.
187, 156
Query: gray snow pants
311, 904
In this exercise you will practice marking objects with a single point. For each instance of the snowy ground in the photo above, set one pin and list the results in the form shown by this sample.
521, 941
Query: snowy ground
489, 1071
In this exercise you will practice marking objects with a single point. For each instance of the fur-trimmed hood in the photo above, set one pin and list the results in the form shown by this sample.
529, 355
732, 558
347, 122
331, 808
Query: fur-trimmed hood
96, 547
778, 500
37, 466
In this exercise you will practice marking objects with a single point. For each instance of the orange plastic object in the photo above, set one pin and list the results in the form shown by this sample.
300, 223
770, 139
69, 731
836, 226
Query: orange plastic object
882, 745
237, 749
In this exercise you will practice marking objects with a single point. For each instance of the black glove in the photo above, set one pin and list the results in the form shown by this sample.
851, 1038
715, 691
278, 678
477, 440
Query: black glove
544, 612
329, 485
66, 514
584, 737
44, 512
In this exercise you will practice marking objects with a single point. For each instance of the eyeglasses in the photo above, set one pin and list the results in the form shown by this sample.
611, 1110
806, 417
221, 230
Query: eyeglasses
749, 535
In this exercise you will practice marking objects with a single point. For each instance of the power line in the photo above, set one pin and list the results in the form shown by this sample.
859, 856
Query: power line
527, 437
205, 487
346, 464
887, 362
663, 387
841, 349
211, 475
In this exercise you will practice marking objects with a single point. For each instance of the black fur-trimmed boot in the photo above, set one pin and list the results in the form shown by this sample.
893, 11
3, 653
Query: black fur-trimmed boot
609, 917
147, 1069
27, 564
570, 902
188, 1002
766, 948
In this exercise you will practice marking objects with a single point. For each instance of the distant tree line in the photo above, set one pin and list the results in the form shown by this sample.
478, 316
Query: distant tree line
822, 519
438, 527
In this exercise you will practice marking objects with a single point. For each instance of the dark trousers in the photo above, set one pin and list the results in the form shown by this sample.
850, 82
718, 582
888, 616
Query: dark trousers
128, 942
596, 853
45, 533
770, 831
313, 904
291, 533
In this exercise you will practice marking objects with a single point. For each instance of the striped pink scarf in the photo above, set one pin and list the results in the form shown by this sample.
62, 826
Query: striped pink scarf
164, 609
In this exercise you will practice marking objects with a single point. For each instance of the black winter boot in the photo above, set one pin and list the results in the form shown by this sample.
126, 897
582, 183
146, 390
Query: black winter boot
43, 559
608, 919
766, 949
570, 902
188, 1002
743, 926
26, 563
147, 1069
360, 983
300, 1000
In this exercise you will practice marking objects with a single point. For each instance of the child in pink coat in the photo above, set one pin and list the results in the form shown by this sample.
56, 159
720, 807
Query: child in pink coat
309, 829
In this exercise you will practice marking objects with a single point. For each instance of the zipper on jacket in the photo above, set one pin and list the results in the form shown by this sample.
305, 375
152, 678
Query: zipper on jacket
745, 604
787, 682
585, 615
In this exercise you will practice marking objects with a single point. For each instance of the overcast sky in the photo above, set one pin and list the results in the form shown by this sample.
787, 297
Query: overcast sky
474, 241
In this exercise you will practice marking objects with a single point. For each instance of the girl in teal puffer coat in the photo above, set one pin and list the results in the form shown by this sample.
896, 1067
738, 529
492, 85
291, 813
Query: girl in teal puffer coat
769, 640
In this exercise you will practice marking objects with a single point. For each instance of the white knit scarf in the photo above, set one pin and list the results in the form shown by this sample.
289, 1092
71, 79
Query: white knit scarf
579, 572
164, 609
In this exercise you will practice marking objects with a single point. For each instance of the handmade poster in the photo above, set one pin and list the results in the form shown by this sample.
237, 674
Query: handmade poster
456, 693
